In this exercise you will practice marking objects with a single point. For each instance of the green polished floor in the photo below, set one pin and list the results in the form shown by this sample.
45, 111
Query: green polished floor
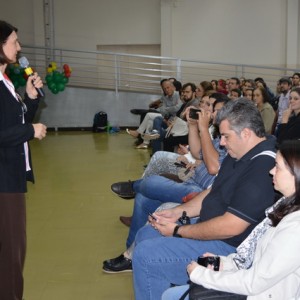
72, 215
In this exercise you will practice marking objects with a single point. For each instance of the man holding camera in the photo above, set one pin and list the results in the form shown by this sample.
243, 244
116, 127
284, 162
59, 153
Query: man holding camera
225, 214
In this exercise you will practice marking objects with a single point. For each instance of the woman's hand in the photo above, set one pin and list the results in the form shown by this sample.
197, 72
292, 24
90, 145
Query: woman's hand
182, 149
191, 122
33, 82
204, 120
191, 267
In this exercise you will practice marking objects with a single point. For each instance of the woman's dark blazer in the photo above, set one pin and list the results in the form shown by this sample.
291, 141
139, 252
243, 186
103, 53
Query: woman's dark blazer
13, 134
290, 130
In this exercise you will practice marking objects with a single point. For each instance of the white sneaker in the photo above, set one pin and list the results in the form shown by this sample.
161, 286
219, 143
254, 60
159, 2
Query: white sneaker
153, 135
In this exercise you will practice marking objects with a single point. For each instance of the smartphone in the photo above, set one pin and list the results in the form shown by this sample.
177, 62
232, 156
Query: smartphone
152, 216
180, 164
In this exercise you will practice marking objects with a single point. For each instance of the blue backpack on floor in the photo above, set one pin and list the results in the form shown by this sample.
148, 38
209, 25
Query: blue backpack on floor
100, 122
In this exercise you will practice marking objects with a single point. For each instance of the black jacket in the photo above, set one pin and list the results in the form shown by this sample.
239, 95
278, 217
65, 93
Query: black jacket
290, 130
13, 134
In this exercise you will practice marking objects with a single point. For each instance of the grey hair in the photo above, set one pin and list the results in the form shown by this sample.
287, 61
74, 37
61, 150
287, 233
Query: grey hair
241, 114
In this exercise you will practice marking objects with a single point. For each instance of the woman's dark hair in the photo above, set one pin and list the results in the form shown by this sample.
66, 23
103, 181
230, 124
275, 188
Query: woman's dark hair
296, 89
264, 93
216, 83
206, 85
261, 80
5, 31
290, 151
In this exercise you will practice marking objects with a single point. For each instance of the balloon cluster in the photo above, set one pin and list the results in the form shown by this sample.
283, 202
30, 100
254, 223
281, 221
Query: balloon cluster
56, 80
17, 75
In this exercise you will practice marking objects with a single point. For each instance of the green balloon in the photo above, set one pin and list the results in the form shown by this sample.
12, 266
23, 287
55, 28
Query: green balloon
60, 87
65, 80
54, 90
51, 85
57, 77
49, 78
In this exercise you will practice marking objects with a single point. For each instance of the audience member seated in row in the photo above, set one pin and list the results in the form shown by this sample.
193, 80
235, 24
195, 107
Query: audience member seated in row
290, 123
153, 105
266, 265
296, 79
228, 212
152, 191
233, 83
160, 162
248, 93
235, 94
261, 99
202, 88
161, 142
168, 104
248, 84
163, 125
285, 85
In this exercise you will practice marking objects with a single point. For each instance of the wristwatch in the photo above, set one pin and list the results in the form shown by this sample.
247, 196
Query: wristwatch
175, 234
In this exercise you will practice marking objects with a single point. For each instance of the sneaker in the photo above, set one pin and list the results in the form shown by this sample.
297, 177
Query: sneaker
153, 135
117, 265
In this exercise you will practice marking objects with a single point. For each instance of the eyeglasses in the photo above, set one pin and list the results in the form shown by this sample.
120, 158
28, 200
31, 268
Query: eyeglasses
24, 107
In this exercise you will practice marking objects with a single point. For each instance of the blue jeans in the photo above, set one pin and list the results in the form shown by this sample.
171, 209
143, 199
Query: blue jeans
151, 192
166, 190
159, 261
175, 293
160, 126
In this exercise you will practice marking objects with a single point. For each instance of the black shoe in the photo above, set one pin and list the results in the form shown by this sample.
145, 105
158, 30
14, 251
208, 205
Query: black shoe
117, 265
124, 189
126, 220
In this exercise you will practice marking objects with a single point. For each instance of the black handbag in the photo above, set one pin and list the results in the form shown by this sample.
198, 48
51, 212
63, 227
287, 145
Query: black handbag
198, 292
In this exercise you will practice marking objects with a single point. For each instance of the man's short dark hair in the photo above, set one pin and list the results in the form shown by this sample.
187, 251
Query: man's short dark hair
236, 79
192, 85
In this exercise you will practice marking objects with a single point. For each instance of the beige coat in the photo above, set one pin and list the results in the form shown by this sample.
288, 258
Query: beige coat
275, 273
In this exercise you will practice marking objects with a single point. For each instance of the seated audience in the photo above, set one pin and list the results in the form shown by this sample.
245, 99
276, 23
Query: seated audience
163, 125
235, 94
289, 129
168, 104
214, 84
261, 99
221, 88
248, 93
259, 82
202, 88
162, 190
248, 84
296, 79
266, 264
228, 211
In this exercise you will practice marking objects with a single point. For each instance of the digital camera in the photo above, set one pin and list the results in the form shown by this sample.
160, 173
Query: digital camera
209, 260
193, 113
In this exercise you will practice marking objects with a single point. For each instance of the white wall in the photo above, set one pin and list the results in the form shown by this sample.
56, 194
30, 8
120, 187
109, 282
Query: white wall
234, 31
